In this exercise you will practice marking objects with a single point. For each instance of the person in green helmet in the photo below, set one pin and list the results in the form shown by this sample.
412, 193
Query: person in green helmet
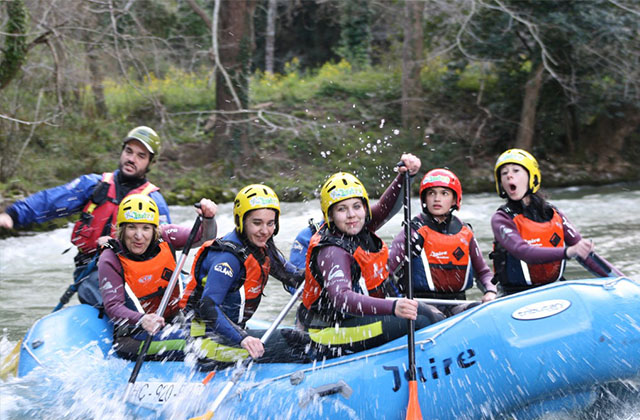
96, 197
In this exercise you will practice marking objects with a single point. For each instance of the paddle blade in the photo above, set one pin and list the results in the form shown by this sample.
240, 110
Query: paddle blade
10, 362
206, 416
413, 408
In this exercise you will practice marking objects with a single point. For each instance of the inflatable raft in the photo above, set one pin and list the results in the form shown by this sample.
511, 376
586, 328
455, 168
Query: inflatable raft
547, 350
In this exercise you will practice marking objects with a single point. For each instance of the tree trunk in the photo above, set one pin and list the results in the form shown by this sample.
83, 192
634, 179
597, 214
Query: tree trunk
270, 36
15, 45
235, 39
411, 65
526, 129
605, 137
94, 67
571, 128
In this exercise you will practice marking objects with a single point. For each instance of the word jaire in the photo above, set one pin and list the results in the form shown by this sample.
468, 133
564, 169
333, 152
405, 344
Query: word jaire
465, 359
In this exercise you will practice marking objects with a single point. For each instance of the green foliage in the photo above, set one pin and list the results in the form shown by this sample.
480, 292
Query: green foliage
178, 91
476, 76
355, 33
15, 47
318, 115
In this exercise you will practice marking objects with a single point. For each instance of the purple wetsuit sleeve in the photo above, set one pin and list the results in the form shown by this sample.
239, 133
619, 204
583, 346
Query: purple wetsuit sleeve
388, 205
334, 263
178, 235
480, 268
112, 289
507, 235
571, 234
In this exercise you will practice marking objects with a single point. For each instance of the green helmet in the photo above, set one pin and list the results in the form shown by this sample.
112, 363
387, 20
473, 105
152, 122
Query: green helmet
146, 136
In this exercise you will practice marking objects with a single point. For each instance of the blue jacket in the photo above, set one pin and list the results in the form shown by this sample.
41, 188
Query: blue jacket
298, 255
67, 199
225, 275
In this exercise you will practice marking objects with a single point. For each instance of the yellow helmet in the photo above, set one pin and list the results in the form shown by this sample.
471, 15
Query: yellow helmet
341, 186
138, 208
254, 197
524, 159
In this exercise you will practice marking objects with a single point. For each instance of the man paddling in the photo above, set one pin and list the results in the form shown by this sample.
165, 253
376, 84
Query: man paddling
96, 197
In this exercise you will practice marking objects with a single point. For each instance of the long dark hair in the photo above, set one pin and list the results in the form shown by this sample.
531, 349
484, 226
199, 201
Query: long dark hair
538, 208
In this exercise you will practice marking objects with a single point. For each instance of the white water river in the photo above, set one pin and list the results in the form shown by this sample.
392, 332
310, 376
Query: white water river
34, 272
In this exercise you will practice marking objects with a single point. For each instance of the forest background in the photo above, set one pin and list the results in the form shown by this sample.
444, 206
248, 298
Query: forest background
286, 92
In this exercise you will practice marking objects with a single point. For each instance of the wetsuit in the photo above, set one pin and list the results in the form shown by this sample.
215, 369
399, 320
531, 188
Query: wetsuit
229, 277
341, 317
511, 250
452, 255
125, 304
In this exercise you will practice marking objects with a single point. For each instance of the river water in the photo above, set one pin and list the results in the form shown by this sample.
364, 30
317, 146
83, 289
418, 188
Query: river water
34, 272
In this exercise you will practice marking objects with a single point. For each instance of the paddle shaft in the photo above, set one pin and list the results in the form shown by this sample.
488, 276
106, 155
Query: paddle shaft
603, 266
163, 304
449, 302
73, 288
413, 405
245, 363
411, 340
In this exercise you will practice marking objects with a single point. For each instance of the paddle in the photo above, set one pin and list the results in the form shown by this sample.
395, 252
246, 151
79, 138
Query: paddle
10, 363
413, 407
448, 302
603, 266
163, 304
239, 372
73, 288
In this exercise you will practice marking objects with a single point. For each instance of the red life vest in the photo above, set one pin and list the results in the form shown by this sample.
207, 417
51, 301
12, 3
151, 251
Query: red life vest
541, 234
99, 214
445, 259
251, 286
147, 280
368, 275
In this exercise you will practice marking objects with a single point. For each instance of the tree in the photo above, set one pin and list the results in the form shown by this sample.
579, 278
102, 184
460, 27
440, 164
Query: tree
270, 36
411, 64
15, 48
556, 50
232, 35
355, 33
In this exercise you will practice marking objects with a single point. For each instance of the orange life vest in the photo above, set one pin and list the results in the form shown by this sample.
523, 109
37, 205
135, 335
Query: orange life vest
512, 272
445, 260
368, 275
251, 286
546, 234
99, 214
147, 280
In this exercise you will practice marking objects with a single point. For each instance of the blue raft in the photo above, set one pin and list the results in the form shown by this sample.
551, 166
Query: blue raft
547, 350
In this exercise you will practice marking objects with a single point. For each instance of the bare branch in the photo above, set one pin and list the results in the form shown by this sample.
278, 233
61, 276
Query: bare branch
198, 10
216, 55
623, 7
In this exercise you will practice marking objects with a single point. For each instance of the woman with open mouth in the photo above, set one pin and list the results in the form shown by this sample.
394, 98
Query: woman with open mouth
532, 238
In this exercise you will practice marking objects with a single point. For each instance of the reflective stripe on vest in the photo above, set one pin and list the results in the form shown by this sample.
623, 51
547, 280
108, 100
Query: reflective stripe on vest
345, 335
